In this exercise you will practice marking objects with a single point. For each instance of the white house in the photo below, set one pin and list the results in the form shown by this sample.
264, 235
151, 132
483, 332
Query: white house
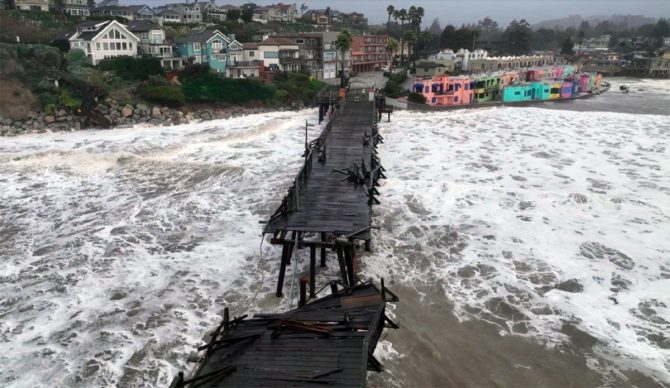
280, 54
32, 5
153, 43
77, 8
106, 39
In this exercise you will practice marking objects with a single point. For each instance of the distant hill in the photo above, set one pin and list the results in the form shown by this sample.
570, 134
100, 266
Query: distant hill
625, 21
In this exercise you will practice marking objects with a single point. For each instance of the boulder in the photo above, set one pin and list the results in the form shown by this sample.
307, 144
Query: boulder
61, 113
164, 109
142, 107
127, 111
156, 111
49, 119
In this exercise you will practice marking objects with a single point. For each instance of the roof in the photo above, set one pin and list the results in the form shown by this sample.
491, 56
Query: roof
142, 26
429, 65
200, 36
276, 42
249, 46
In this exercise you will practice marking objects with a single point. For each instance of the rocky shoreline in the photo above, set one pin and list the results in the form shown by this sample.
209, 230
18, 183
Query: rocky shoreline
128, 115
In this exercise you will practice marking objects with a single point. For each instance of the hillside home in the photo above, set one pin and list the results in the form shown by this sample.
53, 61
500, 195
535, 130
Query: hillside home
106, 39
76, 8
153, 43
280, 54
128, 12
32, 5
205, 46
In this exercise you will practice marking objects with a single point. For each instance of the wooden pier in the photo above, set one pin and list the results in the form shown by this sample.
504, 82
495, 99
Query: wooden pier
328, 207
328, 341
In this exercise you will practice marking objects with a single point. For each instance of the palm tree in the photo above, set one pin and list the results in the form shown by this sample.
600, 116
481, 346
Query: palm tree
391, 49
390, 10
342, 44
410, 39
402, 15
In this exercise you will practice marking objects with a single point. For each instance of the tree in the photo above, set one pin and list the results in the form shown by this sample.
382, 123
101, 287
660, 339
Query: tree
58, 6
518, 37
566, 47
234, 15
661, 30
391, 49
410, 39
303, 8
248, 10
402, 15
91, 4
343, 44
389, 10
435, 28
487, 25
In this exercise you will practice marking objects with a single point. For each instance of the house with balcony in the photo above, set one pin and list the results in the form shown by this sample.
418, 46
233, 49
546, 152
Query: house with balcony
205, 46
431, 69
32, 5
154, 44
128, 12
77, 8
104, 39
281, 13
368, 52
189, 13
310, 46
280, 54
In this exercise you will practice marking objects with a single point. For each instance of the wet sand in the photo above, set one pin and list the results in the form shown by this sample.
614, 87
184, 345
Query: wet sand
440, 351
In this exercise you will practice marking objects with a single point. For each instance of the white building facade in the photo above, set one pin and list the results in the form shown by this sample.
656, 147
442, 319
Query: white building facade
107, 39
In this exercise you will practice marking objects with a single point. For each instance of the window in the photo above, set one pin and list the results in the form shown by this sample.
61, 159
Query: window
251, 53
196, 46
118, 46
517, 93
105, 46
97, 45
124, 45
130, 45
117, 35
455, 98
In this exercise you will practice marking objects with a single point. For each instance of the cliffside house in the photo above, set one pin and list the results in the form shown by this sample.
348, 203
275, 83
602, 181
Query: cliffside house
32, 5
154, 44
205, 46
105, 39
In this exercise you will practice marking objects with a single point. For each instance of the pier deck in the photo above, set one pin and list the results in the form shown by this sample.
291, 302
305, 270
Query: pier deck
329, 341
330, 202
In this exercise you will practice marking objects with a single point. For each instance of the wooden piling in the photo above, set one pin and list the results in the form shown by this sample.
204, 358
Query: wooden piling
303, 292
343, 266
323, 250
312, 271
282, 269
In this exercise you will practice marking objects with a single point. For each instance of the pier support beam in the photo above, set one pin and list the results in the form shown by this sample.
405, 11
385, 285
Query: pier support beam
323, 250
312, 271
287, 250
343, 266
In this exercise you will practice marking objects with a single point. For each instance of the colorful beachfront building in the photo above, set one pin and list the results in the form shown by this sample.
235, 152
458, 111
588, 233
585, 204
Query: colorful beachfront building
206, 46
446, 90
534, 84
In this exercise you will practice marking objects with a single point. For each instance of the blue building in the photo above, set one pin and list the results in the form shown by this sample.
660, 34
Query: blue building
205, 46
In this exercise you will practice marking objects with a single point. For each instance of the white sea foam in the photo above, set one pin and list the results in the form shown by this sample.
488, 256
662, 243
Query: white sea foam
119, 249
533, 218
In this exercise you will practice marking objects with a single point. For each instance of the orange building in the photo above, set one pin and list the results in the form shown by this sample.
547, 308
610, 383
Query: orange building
368, 52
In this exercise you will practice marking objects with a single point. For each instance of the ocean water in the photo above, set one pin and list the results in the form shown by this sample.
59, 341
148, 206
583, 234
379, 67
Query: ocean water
119, 249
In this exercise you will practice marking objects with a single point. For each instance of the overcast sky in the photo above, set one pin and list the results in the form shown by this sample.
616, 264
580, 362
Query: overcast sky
469, 11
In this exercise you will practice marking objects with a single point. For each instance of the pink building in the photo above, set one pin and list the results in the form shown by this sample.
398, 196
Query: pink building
534, 75
584, 83
445, 90
557, 72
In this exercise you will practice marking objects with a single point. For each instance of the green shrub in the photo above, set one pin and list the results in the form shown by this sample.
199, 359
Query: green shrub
162, 94
209, 87
67, 99
132, 68
416, 98
298, 86
393, 89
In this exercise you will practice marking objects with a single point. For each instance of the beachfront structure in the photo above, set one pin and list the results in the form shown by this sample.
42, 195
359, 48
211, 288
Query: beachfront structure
205, 46
77, 8
535, 84
487, 87
430, 69
280, 54
128, 12
446, 90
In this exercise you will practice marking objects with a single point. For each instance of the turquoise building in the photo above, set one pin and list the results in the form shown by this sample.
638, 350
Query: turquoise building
541, 91
206, 46
518, 93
